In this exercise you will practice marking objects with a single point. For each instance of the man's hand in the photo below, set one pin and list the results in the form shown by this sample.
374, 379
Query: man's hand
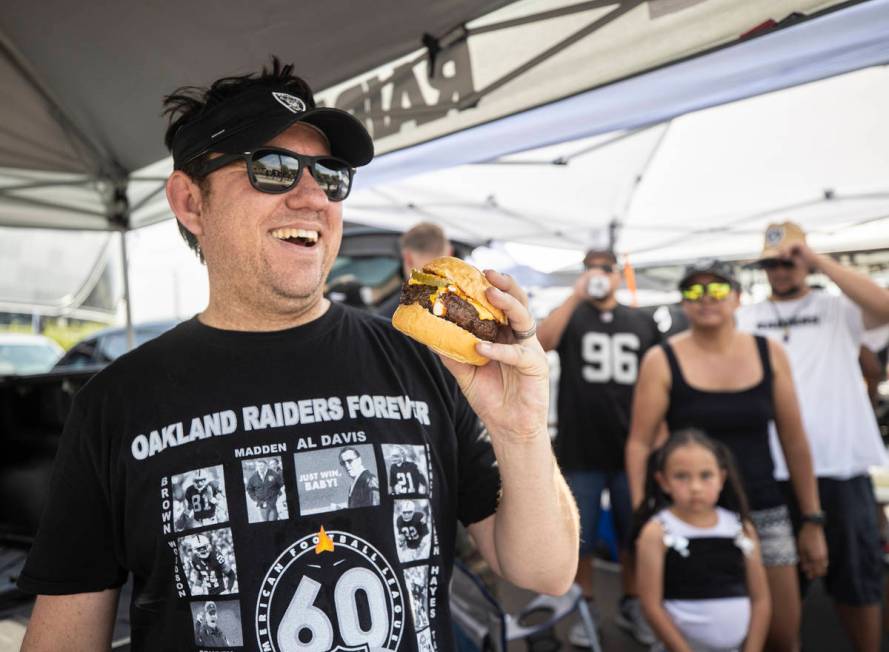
510, 394
582, 283
812, 550
801, 251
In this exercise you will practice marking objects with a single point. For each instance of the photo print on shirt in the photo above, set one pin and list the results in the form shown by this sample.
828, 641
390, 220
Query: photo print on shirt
199, 498
208, 562
406, 469
264, 489
337, 478
424, 641
217, 624
413, 527
416, 580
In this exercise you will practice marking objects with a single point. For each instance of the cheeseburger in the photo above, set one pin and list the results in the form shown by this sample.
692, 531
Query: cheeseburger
444, 307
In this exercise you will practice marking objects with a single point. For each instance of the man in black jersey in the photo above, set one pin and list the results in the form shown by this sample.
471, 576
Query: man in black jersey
404, 475
411, 525
204, 499
260, 173
600, 343
211, 573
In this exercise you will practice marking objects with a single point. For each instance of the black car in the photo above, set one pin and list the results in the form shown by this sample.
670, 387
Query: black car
101, 347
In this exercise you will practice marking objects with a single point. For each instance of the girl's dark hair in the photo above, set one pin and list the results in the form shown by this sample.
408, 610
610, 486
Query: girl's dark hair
189, 103
732, 496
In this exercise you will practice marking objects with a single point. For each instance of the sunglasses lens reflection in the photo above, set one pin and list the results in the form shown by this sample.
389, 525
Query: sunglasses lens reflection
276, 172
334, 178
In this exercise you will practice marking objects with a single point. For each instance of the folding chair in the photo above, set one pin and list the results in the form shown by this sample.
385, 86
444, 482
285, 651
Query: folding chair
485, 622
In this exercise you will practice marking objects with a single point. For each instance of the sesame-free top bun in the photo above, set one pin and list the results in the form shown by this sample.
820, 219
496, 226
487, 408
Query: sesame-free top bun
468, 279
438, 334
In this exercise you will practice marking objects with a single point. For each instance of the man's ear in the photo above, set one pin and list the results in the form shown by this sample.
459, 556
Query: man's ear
407, 257
186, 201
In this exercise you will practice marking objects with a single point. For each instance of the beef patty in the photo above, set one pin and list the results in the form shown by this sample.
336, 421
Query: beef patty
457, 310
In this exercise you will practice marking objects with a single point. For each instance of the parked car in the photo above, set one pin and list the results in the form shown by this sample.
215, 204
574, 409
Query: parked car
101, 347
22, 353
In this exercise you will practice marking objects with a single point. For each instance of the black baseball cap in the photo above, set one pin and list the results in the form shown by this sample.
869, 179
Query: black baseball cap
722, 271
252, 118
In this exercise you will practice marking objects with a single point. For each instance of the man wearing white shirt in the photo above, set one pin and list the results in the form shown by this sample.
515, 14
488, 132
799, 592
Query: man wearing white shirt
822, 334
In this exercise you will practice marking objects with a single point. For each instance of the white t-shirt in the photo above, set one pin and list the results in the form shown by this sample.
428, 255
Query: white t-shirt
823, 341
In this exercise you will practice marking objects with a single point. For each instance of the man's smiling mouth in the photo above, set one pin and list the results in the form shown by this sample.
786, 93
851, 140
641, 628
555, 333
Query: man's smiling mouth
304, 237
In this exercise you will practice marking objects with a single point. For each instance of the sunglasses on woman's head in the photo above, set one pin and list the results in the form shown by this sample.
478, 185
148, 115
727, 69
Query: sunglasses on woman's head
275, 170
715, 290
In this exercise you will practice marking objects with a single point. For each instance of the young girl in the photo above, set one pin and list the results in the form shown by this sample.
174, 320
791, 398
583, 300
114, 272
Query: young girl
700, 577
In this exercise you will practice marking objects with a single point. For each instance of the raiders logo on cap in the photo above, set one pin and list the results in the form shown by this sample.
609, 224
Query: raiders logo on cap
290, 102
774, 235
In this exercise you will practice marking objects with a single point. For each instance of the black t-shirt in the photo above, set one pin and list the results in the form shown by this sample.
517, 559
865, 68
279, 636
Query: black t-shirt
599, 360
200, 402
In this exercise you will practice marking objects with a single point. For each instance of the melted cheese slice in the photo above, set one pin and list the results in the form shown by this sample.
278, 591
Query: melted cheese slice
483, 312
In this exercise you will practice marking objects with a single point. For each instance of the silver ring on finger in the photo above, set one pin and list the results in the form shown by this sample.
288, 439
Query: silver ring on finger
525, 335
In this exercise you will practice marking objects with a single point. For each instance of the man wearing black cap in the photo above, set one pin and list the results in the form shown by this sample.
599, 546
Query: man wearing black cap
271, 367
600, 343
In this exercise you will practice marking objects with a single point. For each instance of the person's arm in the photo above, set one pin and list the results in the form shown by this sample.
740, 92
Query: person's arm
550, 330
760, 600
536, 512
650, 554
811, 543
82, 622
870, 297
650, 402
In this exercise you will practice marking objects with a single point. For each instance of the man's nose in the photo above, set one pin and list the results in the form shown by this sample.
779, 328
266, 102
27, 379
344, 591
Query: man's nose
307, 193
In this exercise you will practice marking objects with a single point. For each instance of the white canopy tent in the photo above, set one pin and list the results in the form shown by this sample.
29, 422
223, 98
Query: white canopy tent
704, 183
81, 136
82, 125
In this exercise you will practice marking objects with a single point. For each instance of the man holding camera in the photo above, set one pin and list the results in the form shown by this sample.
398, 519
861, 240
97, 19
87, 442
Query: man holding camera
600, 344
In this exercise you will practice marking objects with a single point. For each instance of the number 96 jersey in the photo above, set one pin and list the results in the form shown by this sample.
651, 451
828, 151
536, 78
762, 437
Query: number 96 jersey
599, 355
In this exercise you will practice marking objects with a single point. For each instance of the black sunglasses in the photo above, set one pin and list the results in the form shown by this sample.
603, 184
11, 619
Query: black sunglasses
605, 267
775, 263
275, 170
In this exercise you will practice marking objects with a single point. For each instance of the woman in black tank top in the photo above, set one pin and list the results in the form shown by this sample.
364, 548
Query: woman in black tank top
731, 385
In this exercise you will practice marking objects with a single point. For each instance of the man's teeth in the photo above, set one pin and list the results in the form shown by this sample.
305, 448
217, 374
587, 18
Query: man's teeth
302, 234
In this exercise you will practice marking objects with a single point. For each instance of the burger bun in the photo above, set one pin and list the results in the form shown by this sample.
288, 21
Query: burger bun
438, 334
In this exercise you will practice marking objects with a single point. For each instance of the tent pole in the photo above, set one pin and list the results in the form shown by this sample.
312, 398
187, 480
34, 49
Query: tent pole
126, 289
